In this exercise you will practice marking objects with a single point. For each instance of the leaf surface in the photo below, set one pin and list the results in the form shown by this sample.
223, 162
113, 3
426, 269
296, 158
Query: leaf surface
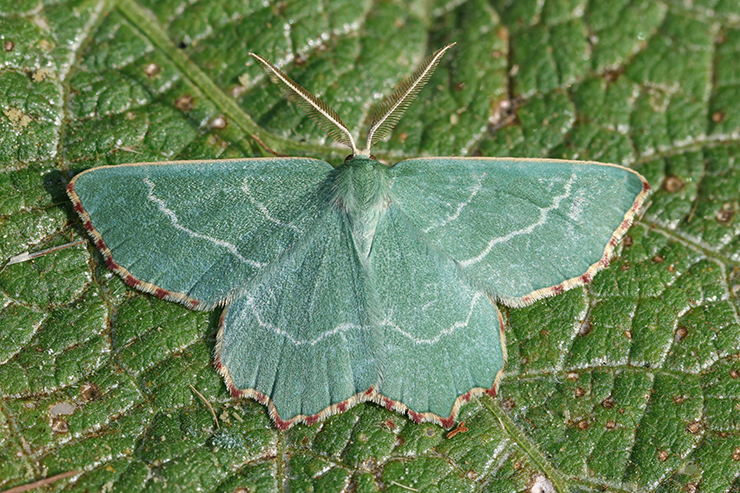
630, 384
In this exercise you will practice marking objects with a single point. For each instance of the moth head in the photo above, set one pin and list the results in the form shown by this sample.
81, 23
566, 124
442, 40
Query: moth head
352, 156
385, 118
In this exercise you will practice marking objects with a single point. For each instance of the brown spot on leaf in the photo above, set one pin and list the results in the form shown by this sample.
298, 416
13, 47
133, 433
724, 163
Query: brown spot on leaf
663, 455
572, 376
658, 259
152, 69
186, 102
9, 45
627, 241
673, 184
628, 334
718, 116
725, 215
681, 333
611, 424
736, 454
518, 465
734, 374
59, 425
613, 75
607, 403
678, 399
580, 392
585, 329
389, 423
89, 392
694, 428
508, 405
583, 425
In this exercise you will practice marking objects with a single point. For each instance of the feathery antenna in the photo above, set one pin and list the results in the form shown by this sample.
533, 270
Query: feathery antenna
386, 117
320, 112
393, 107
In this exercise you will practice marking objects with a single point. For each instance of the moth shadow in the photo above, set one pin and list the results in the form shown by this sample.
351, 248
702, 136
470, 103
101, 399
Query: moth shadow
55, 185
211, 333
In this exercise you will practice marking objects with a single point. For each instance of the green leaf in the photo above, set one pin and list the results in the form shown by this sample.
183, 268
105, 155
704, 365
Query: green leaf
630, 384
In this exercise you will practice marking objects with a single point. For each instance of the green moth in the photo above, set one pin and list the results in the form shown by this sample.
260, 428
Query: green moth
364, 282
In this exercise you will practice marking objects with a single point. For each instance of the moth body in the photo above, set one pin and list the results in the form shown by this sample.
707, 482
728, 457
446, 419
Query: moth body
361, 192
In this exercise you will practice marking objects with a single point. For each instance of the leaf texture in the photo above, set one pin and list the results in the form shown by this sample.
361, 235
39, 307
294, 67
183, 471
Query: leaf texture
629, 385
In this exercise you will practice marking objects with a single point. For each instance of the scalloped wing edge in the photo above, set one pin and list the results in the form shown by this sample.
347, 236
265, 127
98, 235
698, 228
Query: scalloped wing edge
111, 264
369, 395
603, 263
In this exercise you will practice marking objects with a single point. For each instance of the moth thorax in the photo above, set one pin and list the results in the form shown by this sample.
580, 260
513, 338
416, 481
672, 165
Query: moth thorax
361, 185
361, 192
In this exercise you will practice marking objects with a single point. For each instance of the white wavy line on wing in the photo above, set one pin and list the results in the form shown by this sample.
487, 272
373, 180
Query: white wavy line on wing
544, 211
348, 326
263, 209
299, 342
175, 222
477, 188
444, 332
